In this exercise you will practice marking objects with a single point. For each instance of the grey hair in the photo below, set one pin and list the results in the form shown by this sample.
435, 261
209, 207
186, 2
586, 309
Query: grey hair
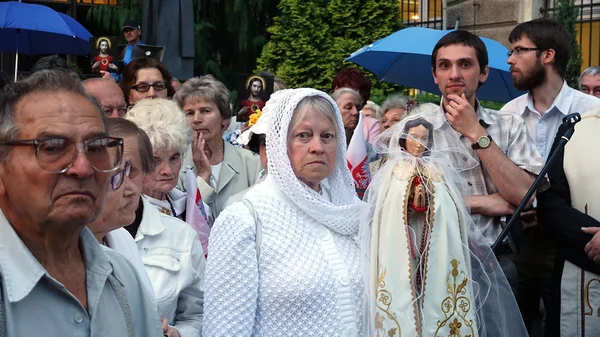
206, 87
40, 81
337, 94
120, 127
393, 102
308, 104
164, 123
591, 71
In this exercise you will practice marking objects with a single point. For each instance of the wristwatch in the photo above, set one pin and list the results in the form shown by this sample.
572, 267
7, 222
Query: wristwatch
482, 143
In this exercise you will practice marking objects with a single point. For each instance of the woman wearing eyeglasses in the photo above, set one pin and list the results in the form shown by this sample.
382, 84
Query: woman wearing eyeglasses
121, 202
146, 77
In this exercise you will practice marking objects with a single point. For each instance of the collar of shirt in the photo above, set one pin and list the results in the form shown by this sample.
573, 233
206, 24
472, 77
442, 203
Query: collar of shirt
151, 224
562, 102
22, 271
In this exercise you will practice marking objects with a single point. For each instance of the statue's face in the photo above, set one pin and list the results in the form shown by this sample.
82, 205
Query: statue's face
417, 139
256, 88
103, 46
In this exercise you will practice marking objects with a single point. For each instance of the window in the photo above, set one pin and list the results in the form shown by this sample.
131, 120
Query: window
422, 13
588, 30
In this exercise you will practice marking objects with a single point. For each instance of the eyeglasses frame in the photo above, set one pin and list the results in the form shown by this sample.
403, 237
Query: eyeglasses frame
80, 147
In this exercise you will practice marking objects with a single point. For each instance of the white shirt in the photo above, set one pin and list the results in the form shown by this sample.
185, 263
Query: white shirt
215, 170
543, 126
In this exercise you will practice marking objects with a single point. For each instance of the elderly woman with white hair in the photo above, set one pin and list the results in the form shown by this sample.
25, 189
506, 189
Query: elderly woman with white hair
222, 169
395, 108
170, 248
285, 261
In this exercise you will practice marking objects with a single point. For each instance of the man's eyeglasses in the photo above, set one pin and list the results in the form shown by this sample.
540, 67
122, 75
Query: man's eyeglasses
144, 87
117, 180
517, 51
58, 154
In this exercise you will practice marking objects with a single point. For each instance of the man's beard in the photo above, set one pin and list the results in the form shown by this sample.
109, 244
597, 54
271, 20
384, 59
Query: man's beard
534, 80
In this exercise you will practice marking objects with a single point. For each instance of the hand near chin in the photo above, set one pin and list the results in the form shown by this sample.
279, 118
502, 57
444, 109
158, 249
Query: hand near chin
199, 156
462, 116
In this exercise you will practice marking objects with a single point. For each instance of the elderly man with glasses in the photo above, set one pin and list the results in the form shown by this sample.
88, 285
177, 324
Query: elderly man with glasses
55, 162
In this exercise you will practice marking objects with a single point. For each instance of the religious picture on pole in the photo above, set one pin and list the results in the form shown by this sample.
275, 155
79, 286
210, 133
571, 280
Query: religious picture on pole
253, 92
102, 54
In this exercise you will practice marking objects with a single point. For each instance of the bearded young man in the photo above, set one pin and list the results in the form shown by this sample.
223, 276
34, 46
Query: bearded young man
538, 63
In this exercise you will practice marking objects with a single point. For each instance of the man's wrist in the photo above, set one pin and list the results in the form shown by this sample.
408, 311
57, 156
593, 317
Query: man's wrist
478, 132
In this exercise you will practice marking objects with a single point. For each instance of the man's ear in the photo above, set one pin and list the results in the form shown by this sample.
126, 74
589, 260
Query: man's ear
548, 57
434, 77
484, 74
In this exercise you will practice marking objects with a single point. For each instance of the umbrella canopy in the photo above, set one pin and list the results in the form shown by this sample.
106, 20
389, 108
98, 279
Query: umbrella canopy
35, 29
404, 57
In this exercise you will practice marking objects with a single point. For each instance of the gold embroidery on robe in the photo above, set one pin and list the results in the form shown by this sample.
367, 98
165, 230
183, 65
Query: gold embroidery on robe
384, 301
456, 305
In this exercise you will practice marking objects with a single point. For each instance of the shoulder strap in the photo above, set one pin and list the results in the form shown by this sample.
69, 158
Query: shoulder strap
120, 294
258, 226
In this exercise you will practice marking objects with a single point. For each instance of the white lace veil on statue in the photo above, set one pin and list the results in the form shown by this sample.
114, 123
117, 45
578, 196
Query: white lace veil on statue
342, 210
447, 279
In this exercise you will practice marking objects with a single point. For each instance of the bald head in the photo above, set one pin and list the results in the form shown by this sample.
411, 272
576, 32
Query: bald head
108, 94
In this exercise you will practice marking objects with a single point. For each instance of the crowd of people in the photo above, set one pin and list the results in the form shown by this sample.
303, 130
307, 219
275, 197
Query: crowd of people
97, 237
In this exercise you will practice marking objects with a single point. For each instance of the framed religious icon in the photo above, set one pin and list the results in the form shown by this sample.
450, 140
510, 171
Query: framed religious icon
253, 92
103, 50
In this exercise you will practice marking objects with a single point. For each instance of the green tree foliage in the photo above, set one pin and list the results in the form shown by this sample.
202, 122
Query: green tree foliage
111, 18
297, 48
309, 40
567, 14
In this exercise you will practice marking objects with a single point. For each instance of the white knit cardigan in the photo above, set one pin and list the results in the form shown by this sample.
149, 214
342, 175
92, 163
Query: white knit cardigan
307, 281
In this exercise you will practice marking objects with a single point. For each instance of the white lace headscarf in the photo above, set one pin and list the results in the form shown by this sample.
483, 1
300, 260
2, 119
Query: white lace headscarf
342, 212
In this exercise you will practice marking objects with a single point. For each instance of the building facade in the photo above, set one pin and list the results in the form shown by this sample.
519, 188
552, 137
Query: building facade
496, 18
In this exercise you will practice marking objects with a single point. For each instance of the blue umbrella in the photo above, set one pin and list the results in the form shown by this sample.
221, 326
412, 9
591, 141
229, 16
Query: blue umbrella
404, 57
35, 29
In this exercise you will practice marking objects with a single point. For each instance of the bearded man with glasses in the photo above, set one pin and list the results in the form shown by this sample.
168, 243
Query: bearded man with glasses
55, 162
538, 63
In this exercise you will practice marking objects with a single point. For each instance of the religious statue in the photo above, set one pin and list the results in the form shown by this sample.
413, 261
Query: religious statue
103, 61
425, 255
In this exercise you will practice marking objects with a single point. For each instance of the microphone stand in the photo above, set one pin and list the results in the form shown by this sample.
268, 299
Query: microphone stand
568, 126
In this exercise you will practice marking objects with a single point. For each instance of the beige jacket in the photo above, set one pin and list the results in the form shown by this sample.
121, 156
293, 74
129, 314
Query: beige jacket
239, 171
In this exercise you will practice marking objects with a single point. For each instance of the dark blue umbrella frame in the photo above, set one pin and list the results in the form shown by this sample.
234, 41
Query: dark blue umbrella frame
404, 57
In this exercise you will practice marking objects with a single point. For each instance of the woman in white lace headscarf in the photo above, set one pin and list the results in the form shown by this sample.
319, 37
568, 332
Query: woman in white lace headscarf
285, 262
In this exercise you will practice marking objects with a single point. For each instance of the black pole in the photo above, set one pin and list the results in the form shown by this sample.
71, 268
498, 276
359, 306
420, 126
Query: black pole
568, 123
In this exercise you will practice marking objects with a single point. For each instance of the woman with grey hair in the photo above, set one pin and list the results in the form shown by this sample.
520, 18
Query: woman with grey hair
350, 103
222, 169
393, 110
170, 248
285, 261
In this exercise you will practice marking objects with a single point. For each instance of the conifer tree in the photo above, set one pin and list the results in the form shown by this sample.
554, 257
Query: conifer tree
567, 14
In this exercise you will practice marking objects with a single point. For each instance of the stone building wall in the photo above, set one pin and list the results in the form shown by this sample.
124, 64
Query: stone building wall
491, 18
